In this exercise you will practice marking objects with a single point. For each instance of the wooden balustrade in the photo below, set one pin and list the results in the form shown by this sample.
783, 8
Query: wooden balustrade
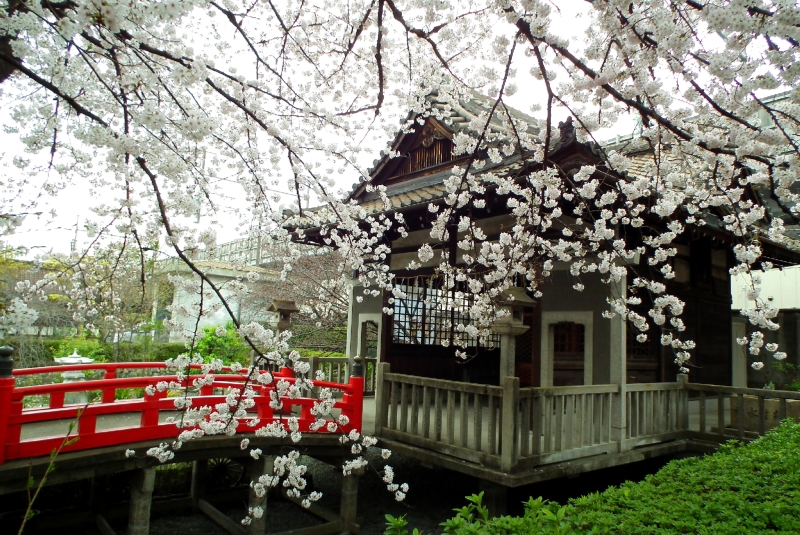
719, 413
653, 413
462, 420
512, 429
563, 423
497, 426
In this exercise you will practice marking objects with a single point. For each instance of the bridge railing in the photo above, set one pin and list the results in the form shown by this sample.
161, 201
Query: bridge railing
153, 408
337, 370
514, 429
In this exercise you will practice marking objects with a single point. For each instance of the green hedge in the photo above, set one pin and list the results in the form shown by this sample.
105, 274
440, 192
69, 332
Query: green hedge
752, 489
48, 349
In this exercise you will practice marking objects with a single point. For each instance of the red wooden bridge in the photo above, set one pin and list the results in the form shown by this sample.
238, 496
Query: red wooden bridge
150, 410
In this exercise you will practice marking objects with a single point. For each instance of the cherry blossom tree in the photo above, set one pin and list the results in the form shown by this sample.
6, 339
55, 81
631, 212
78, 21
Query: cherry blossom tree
162, 104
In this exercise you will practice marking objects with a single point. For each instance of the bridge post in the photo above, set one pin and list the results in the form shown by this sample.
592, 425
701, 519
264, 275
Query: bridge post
508, 415
199, 477
349, 506
6, 392
141, 498
265, 465
683, 402
356, 395
619, 373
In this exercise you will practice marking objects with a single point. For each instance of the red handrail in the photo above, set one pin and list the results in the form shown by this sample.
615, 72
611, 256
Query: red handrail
150, 407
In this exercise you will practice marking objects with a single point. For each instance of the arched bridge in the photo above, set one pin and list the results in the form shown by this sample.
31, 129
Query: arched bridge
133, 405
144, 418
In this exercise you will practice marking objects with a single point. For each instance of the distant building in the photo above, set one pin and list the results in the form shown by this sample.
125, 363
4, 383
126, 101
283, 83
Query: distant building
781, 289
185, 305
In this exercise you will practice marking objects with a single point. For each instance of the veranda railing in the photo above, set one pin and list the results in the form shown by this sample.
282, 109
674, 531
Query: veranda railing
509, 428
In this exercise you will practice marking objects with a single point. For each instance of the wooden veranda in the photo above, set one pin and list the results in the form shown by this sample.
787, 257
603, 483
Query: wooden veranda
514, 436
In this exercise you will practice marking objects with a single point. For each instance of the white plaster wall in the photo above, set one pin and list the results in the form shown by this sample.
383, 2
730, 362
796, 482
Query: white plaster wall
780, 288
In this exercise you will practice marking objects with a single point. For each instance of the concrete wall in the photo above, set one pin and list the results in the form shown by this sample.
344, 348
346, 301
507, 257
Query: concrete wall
781, 289
214, 313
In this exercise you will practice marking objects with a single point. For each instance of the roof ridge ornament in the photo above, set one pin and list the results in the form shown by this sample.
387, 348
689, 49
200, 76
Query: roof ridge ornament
567, 135
567, 129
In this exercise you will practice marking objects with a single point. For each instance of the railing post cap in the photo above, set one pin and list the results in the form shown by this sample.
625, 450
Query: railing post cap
6, 362
358, 366
683, 378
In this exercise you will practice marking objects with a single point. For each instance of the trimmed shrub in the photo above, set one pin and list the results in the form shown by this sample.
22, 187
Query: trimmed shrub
753, 489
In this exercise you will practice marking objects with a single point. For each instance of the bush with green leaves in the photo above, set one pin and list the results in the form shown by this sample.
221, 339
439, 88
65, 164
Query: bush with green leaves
752, 488
223, 343
84, 346
92, 348
308, 353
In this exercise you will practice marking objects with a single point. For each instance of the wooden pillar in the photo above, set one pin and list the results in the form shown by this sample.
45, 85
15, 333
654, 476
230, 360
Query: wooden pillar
349, 506
142, 485
495, 497
381, 398
738, 354
683, 403
619, 373
199, 477
508, 437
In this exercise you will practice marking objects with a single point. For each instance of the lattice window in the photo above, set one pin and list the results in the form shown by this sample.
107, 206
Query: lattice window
568, 338
430, 312
646, 350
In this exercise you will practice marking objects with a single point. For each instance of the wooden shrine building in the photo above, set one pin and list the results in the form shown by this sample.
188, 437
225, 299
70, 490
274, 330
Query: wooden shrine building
582, 388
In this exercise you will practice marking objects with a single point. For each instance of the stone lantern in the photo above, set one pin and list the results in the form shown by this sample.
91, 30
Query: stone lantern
285, 309
74, 376
514, 301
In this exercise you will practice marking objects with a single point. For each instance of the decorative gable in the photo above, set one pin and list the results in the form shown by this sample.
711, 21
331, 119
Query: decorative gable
430, 146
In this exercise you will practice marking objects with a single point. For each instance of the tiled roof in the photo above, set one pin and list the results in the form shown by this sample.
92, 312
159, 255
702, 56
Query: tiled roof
458, 115
423, 191
401, 200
